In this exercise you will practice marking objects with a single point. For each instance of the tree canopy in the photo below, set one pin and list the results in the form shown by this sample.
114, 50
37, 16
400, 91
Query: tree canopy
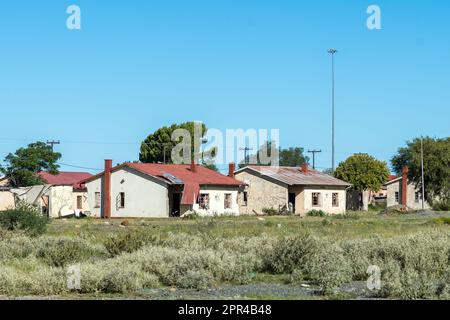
22, 166
363, 171
436, 159
157, 147
290, 157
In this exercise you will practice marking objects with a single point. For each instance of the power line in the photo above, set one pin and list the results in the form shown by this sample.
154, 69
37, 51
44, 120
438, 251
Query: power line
246, 150
78, 167
53, 142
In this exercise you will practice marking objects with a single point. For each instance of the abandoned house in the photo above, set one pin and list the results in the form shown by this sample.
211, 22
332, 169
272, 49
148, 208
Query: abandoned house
401, 191
290, 189
160, 190
61, 196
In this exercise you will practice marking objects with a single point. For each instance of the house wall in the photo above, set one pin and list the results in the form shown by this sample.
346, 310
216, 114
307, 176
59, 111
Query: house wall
217, 201
6, 200
326, 199
394, 187
60, 201
84, 203
144, 196
261, 193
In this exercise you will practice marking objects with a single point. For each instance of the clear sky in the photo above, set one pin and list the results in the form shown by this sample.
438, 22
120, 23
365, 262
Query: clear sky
138, 65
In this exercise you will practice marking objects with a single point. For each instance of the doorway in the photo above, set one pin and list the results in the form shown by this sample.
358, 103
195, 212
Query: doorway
291, 201
176, 200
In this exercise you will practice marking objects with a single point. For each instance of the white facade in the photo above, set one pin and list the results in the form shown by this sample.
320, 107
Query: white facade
413, 195
217, 201
135, 194
325, 200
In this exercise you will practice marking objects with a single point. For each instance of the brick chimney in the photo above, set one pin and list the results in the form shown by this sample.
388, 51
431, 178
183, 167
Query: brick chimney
305, 168
405, 187
107, 190
193, 167
231, 169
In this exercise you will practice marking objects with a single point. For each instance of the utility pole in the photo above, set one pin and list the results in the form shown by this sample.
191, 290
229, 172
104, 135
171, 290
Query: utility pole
332, 52
246, 150
423, 180
314, 156
52, 143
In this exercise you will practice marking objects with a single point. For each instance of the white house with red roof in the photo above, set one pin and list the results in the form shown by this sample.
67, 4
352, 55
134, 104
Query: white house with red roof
161, 190
60, 196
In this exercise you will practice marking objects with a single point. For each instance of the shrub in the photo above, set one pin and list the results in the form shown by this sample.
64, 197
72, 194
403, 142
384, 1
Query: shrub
270, 211
289, 253
60, 251
128, 241
316, 213
16, 246
441, 205
442, 220
25, 217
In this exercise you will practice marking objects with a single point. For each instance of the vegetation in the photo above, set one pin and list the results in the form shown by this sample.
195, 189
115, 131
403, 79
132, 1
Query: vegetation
270, 211
157, 147
22, 166
291, 157
363, 172
436, 159
24, 217
316, 213
201, 253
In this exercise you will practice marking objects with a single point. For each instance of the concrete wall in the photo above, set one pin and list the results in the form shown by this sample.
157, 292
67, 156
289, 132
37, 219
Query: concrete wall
144, 196
326, 199
60, 201
261, 193
6, 200
394, 187
217, 201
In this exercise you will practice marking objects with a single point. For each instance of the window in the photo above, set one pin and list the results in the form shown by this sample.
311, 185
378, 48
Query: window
122, 200
79, 202
203, 201
227, 201
316, 199
98, 199
397, 196
245, 198
417, 197
335, 199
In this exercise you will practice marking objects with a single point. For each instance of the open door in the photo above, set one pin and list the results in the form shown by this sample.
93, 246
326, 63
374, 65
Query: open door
176, 201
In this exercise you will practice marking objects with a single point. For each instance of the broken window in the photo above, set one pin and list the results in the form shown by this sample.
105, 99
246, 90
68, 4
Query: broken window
397, 197
417, 197
79, 202
122, 200
316, 199
245, 198
335, 199
227, 202
203, 201
98, 199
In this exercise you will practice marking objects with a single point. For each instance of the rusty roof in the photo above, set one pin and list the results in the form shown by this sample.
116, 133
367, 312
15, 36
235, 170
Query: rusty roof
295, 176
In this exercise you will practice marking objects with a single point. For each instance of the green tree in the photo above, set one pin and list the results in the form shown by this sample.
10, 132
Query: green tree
22, 166
290, 157
436, 159
157, 147
363, 171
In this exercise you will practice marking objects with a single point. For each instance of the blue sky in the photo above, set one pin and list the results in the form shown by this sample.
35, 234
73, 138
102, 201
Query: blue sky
138, 65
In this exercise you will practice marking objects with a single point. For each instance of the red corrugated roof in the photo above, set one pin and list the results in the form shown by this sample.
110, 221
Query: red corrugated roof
202, 176
65, 178
392, 177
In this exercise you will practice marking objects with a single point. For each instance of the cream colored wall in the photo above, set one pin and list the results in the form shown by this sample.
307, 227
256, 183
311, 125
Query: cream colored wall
144, 196
6, 200
217, 201
411, 196
60, 201
85, 202
261, 193
326, 200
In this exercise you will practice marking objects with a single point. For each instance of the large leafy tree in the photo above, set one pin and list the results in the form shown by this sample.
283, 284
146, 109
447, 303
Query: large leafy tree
22, 166
157, 147
436, 159
290, 157
363, 171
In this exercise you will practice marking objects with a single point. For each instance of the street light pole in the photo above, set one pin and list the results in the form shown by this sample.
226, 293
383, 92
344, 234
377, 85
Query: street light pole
332, 52
423, 180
